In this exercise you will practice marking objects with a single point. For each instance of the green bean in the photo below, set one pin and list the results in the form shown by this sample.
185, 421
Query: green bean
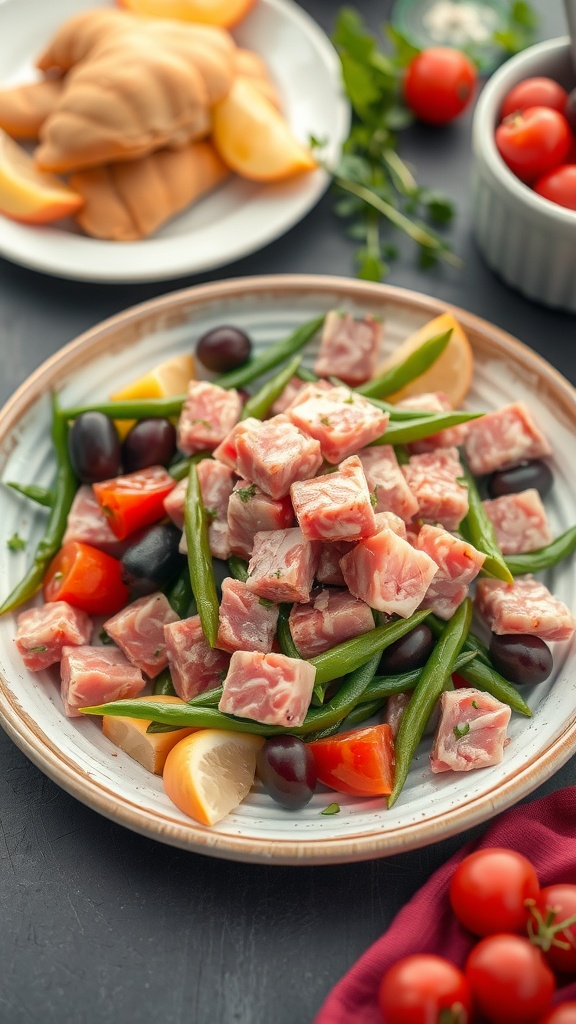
180, 596
163, 684
131, 409
408, 370
272, 356
355, 717
544, 558
283, 634
64, 491
479, 530
347, 656
393, 411
208, 699
382, 687
200, 559
481, 674
238, 568
403, 432
196, 716
259, 404
41, 495
307, 375
433, 678
179, 470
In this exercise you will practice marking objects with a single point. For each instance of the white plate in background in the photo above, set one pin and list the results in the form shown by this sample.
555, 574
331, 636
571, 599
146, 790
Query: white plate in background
237, 218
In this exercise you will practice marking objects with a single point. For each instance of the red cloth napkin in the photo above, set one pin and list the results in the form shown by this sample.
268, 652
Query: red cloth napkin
544, 831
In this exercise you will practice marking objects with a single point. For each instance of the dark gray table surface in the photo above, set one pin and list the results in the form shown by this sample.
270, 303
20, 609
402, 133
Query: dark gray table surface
99, 924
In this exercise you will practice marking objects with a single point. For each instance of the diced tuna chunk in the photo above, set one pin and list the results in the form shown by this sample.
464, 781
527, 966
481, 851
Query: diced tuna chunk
434, 401
174, 503
247, 623
341, 420
216, 482
226, 451
282, 566
296, 391
88, 524
458, 564
335, 506
349, 348
250, 511
194, 665
330, 618
275, 454
387, 482
207, 416
329, 570
471, 732
520, 522
388, 573
389, 521
525, 606
139, 632
96, 675
43, 632
268, 688
502, 439
433, 480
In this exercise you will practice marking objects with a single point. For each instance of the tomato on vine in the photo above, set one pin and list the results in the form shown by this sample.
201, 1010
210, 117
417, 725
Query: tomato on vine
552, 926
423, 988
510, 980
489, 889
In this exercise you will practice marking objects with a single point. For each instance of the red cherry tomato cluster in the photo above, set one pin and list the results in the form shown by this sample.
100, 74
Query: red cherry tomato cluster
439, 84
536, 139
527, 933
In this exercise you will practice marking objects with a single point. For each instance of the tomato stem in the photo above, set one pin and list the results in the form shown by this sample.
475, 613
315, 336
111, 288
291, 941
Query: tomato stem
543, 932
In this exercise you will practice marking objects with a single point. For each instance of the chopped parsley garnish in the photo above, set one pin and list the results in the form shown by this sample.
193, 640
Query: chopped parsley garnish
325, 421
331, 809
460, 731
15, 543
475, 704
37, 650
205, 423
373, 498
245, 493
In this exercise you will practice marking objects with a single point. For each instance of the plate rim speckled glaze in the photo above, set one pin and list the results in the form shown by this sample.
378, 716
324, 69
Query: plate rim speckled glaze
239, 217
42, 750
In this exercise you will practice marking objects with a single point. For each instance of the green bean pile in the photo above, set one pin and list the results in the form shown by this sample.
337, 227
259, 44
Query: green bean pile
348, 689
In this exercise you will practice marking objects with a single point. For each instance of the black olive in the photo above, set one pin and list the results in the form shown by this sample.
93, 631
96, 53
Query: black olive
224, 348
528, 474
152, 560
94, 447
411, 651
151, 442
521, 658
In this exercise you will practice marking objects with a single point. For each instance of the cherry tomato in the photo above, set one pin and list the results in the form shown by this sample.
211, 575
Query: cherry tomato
489, 888
559, 186
510, 980
565, 1013
86, 578
360, 762
134, 500
439, 84
555, 904
534, 92
534, 142
423, 988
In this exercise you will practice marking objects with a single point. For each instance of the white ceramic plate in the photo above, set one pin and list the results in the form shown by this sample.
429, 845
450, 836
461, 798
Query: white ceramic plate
240, 216
74, 752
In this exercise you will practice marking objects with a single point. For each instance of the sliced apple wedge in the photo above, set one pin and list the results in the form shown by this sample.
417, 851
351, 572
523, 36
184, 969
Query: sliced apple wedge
30, 195
208, 12
253, 138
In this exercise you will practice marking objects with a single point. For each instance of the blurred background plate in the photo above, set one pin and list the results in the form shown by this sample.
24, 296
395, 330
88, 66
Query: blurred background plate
240, 216
75, 754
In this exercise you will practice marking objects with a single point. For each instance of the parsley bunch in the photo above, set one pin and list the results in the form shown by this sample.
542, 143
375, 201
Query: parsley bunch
372, 182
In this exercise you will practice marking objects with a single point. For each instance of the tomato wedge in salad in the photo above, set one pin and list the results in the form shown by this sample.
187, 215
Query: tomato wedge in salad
359, 762
86, 578
134, 500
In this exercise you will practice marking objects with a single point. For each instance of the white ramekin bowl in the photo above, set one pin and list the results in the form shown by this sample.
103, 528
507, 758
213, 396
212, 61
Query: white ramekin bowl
529, 241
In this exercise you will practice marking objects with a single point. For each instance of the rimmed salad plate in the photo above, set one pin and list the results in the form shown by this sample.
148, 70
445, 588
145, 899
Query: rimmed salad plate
75, 754
240, 216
